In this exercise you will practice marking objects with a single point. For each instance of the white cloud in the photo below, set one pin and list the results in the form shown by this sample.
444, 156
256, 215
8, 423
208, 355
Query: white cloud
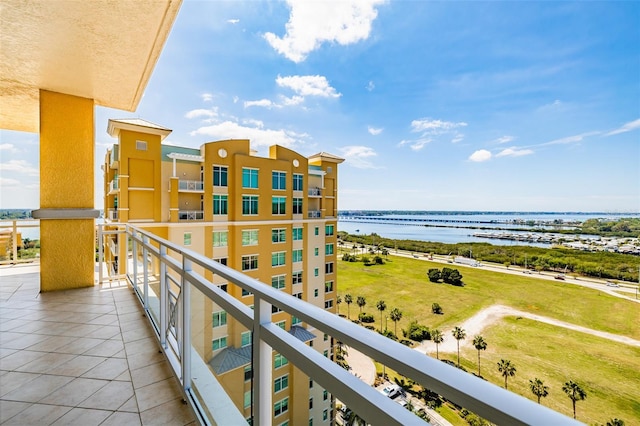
259, 136
358, 156
233, 21
434, 126
514, 152
294, 100
308, 85
370, 86
480, 156
208, 113
257, 123
457, 138
8, 147
417, 144
9, 182
632, 125
266, 103
235, 99
570, 139
312, 23
207, 97
19, 166
504, 139
374, 131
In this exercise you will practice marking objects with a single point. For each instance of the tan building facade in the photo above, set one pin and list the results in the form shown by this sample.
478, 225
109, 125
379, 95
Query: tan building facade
273, 218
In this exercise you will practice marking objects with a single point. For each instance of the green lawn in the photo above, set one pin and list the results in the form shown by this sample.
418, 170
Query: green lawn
608, 371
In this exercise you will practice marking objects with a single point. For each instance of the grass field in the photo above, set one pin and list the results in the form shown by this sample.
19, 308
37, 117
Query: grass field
609, 372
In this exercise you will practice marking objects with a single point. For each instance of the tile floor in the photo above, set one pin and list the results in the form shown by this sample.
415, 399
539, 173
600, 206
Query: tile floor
81, 357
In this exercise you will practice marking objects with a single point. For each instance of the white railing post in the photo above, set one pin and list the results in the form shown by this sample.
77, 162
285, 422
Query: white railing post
100, 253
262, 369
14, 242
185, 347
164, 298
134, 259
145, 270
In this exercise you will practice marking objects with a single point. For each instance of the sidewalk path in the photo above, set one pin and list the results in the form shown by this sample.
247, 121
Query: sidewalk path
361, 365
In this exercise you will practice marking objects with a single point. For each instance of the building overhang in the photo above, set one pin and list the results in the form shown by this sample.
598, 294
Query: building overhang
105, 51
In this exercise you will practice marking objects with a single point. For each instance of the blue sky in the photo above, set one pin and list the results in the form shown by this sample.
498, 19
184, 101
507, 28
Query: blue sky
519, 106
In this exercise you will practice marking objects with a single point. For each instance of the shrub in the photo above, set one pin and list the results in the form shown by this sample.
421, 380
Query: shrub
434, 275
436, 308
417, 332
365, 317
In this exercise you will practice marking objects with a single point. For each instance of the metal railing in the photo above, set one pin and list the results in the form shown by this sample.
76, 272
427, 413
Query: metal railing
12, 250
190, 215
191, 185
315, 192
112, 214
315, 214
164, 276
113, 185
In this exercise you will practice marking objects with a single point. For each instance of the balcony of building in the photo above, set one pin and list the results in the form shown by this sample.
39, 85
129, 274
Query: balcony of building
191, 186
114, 155
112, 215
113, 186
315, 192
190, 215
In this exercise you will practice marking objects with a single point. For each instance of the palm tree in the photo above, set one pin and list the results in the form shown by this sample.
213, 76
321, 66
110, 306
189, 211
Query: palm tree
615, 422
458, 334
338, 302
507, 369
438, 337
395, 315
381, 307
361, 301
348, 300
538, 388
575, 393
481, 345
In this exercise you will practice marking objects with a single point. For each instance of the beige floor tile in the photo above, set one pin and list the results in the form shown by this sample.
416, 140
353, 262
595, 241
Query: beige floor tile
38, 388
148, 345
9, 409
121, 418
6, 351
130, 406
51, 343
158, 393
173, 412
80, 346
110, 397
108, 348
142, 332
13, 380
104, 332
77, 366
124, 377
142, 359
19, 340
9, 325
18, 359
45, 363
37, 414
83, 417
150, 374
105, 319
74, 392
109, 369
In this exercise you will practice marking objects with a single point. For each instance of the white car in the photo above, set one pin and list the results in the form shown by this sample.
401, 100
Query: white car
612, 284
392, 391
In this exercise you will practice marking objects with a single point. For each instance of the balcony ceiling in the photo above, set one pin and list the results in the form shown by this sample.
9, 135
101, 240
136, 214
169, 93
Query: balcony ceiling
103, 50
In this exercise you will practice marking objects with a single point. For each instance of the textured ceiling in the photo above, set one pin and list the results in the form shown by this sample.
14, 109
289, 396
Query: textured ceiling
99, 49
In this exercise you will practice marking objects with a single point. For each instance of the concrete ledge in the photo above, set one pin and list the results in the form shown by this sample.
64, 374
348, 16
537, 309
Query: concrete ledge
65, 214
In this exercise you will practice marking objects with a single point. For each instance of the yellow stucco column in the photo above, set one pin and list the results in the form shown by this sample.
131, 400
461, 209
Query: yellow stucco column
67, 214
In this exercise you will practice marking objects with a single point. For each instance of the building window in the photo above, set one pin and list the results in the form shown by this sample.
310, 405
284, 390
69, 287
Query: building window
281, 407
325, 415
219, 319
311, 421
279, 205
316, 230
297, 205
221, 260
141, 145
278, 258
249, 178
310, 343
219, 343
187, 238
315, 293
328, 230
223, 287
279, 180
250, 262
250, 237
328, 268
275, 309
325, 395
245, 338
278, 282
316, 251
316, 272
246, 293
328, 286
220, 175
326, 337
326, 353
282, 324
297, 234
278, 235
328, 304
298, 295
250, 204
220, 238
295, 320
297, 277
310, 383
310, 403
247, 399
279, 361
220, 204
328, 249
281, 383
298, 180
296, 255
248, 373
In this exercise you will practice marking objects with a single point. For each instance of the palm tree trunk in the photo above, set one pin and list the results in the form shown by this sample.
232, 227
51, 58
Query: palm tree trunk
478, 362
437, 354
574, 408
458, 353
505, 382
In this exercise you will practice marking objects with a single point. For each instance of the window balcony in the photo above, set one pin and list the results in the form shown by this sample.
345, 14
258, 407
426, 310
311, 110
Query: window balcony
315, 214
113, 186
315, 192
112, 215
190, 186
186, 215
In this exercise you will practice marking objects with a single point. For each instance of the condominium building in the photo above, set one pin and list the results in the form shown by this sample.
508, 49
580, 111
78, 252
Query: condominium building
273, 218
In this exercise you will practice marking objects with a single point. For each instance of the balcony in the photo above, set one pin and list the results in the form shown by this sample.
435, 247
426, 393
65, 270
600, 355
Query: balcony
315, 214
113, 186
112, 215
190, 186
315, 192
190, 215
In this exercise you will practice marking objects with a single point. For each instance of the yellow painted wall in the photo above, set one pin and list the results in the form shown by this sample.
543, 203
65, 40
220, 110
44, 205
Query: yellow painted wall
66, 181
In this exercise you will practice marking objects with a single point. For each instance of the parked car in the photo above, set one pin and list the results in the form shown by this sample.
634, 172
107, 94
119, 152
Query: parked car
393, 391
559, 277
612, 284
